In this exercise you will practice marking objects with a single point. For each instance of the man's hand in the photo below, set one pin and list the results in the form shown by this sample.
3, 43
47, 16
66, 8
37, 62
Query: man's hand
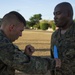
58, 62
29, 50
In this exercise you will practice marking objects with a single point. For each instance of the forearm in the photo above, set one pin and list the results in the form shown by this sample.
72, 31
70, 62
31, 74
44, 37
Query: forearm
24, 63
36, 65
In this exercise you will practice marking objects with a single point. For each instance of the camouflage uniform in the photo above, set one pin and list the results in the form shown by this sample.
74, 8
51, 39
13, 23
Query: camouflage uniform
12, 58
66, 50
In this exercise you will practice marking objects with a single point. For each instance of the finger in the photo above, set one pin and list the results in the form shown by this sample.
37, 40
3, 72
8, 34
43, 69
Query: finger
31, 49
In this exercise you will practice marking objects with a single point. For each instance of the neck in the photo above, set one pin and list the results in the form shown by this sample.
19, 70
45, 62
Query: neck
6, 32
65, 27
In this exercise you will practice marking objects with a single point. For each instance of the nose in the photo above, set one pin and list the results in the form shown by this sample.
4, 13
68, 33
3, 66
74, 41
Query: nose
54, 14
55, 17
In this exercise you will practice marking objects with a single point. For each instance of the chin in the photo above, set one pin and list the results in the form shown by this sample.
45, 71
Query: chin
57, 26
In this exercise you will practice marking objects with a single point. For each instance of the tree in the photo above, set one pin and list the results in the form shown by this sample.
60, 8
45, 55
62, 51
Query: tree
34, 20
52, 24
44, 24
30, 23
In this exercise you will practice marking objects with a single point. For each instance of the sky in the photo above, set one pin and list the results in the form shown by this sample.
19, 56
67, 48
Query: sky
28, 8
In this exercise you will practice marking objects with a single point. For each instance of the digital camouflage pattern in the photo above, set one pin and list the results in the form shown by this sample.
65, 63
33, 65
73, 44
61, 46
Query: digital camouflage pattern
66, 51
12, 58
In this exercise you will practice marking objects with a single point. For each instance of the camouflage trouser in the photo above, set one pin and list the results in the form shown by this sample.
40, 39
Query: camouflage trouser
48, 73
21, 73
62, 72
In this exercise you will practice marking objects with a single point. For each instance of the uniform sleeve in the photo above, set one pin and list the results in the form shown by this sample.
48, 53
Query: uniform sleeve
69, 55
69, 47
15, 58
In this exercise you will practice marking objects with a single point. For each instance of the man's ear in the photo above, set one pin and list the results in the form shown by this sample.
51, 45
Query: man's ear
11, 27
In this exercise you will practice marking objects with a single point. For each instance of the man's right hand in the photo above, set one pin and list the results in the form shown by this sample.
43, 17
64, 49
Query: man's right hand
29, 50
58, 62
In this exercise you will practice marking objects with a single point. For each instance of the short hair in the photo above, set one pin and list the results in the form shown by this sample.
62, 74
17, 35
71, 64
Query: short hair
68, 6
14, 15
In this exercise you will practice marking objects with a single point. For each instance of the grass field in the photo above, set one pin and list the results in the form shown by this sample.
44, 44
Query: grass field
39, 39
